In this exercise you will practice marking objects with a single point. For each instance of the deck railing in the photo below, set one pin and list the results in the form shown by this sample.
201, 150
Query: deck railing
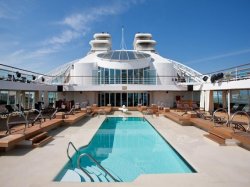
185, 76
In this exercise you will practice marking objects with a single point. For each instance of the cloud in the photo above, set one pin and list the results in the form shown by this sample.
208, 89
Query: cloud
79, 24
235, 53
74, 26
65, 37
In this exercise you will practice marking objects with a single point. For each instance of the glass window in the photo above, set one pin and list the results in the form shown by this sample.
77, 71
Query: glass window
118, 76
136, 76
12, 97
52, 96
130, 76
112, 76
112, 99
99, 99
106, 76
130, 99
3, 97
140, 98
99, 75
102, 75
140, 76
146, 75
124, 76
124, 99
107, 99
217, 96
29, 100
118, 99
145, 99
135, 99
102, 99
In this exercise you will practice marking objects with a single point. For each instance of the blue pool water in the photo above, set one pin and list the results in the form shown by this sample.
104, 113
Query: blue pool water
127, 148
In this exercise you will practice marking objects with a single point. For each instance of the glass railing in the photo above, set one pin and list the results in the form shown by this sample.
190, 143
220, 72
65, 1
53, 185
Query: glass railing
233, 74
9, 73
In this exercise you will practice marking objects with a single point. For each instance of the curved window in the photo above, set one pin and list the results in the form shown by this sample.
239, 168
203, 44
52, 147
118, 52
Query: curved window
118, 99
123, 55
124, 76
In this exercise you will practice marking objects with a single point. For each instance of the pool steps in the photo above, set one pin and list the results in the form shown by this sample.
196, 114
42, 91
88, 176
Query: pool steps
77, 175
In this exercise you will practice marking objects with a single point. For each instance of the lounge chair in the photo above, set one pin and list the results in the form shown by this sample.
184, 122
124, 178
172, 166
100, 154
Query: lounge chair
9, 108
240, 125
49, 113
34, 116
14, 119
179, 107
220, 120
71, 112
203, 114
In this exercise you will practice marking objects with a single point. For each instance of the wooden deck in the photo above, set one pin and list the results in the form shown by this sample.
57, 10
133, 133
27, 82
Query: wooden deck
182, 120
217, 134
205, 125
71, 119
7, 142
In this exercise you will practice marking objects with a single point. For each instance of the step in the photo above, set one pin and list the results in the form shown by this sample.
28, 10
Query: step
84, 177
38, 137
43, 141
220, 133
98, 173
215, 138
71, 176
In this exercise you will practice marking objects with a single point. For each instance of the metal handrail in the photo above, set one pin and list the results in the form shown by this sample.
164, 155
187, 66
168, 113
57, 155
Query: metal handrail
241, 112
98, 165
70, 143
220, 109
8, 123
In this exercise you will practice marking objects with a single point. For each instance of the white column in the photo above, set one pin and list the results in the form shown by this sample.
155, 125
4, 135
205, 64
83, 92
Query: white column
209, 103
202, 99
228, 101
224, 98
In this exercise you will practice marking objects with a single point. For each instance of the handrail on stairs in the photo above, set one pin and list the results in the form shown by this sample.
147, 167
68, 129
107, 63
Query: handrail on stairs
98, 165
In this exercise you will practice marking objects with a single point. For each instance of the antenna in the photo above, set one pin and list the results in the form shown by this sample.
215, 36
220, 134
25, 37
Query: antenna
123, 44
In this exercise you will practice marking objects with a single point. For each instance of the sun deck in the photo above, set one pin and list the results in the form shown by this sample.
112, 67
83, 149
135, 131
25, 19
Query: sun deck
212, 162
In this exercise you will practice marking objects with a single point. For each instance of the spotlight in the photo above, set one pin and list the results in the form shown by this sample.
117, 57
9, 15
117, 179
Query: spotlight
205, 78
220, 76
18, 74
213, 78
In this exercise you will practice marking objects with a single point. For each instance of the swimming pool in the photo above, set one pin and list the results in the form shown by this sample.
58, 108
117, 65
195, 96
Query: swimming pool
127, 148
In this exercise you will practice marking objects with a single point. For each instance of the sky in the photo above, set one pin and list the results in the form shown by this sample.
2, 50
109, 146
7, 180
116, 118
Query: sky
206, 35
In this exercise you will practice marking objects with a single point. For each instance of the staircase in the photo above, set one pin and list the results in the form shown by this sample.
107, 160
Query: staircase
219, 135
94, 173
40, 139
77, 175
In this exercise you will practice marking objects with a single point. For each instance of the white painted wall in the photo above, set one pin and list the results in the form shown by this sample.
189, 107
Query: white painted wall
169, 98
83, 69
239, 84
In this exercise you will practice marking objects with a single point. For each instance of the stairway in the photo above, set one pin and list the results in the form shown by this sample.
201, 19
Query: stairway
40, 139
77, 175
219, 135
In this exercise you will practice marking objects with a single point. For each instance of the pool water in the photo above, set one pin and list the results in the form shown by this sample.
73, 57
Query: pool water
127, 148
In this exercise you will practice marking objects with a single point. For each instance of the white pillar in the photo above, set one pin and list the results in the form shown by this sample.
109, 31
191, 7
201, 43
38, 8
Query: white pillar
228, 101
209, 103
224, 98
202, 99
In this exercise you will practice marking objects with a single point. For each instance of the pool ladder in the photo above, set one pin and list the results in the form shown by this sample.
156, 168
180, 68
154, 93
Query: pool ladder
90, 158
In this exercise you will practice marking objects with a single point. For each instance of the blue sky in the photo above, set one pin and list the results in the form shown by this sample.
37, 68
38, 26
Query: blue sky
206, 35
